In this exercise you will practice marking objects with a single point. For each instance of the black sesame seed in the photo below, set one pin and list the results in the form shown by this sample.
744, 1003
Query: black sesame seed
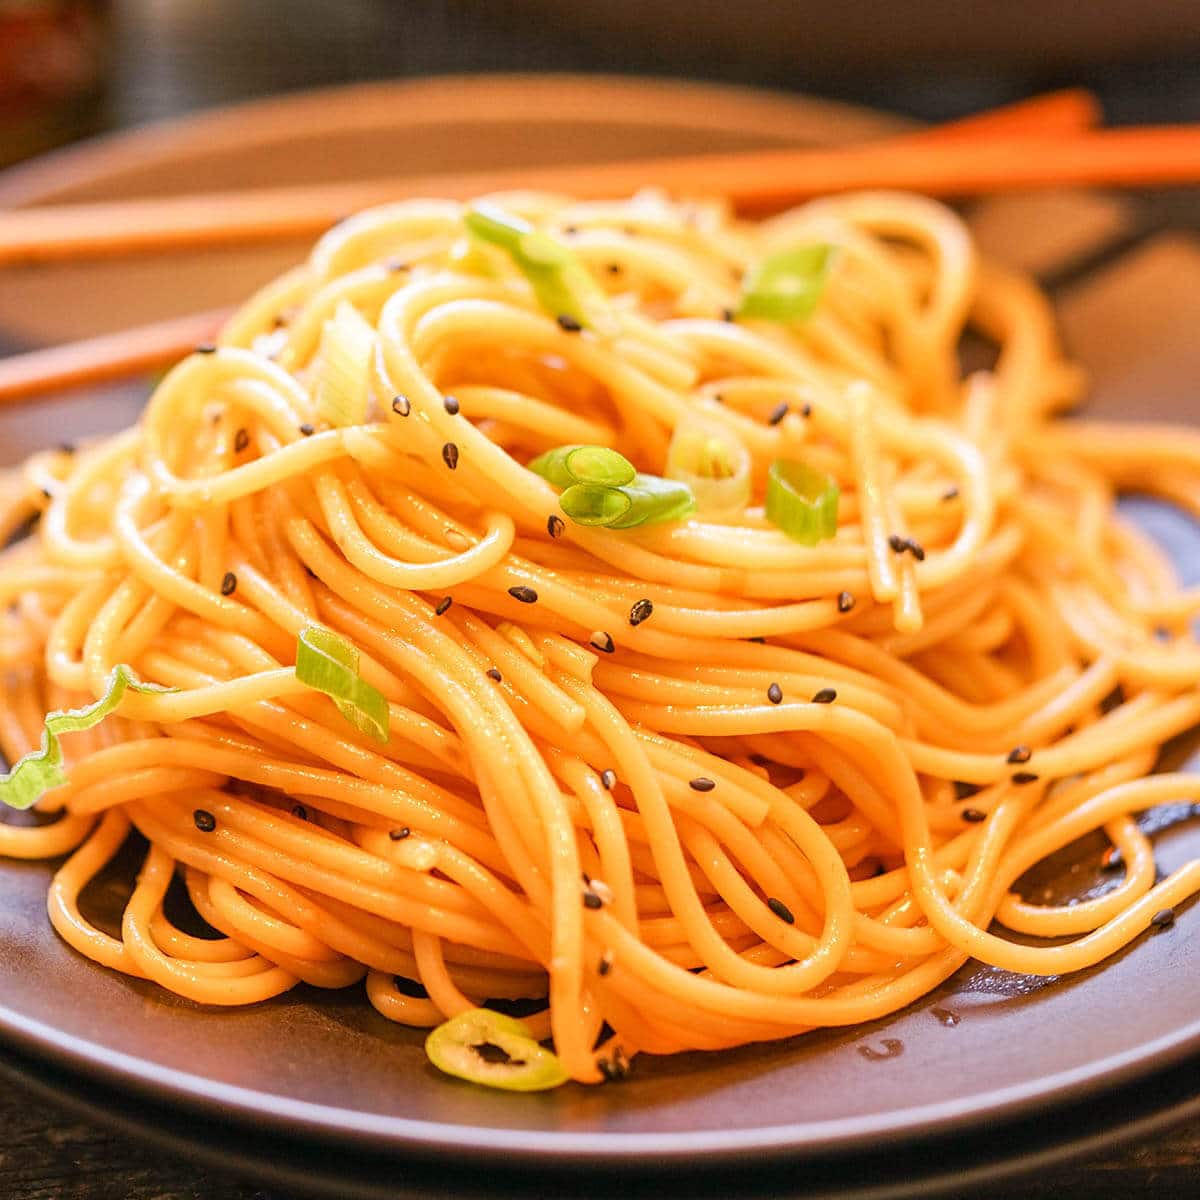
614, 1069
727, 314
1019, 754
605, 965
608, 777
398, 835
640, 611
555, 525
568, 323
307, 429
806, 410
1023, 777
702, 784
845, 602
1163, 919
205, 821
973, 815
442, 605
47, 494
401, 406
915, 549
241, 440
229, 584
592, 901
602, 641
778, 413
897, 543
781, 910
494, 674
206, 348
951, 493
450, 455
300, 812
613, 268
775, 694
825, 696
526, 595
450, 404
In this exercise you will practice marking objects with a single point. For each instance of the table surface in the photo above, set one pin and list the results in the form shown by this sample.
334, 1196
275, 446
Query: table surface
172, 56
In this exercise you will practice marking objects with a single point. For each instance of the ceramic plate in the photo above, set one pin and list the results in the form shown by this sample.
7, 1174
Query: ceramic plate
986, 1048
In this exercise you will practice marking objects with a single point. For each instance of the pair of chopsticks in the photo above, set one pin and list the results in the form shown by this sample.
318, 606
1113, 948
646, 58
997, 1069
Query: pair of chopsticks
1047, 141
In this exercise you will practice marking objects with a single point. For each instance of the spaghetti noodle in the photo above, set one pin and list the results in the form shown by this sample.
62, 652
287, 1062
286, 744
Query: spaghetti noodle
694, 783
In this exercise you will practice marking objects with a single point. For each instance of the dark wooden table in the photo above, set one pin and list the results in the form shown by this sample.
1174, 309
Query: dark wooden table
175, 55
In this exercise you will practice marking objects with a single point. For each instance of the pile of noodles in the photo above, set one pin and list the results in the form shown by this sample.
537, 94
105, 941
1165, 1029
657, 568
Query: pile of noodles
606, 783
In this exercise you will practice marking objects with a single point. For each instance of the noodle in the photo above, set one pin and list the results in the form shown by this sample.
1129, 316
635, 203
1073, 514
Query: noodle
742, 822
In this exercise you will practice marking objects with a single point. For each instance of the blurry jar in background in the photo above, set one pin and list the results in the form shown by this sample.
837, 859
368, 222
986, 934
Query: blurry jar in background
53, 59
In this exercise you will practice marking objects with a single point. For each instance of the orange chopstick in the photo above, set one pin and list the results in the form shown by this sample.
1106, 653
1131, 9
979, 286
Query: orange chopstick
756, 182
1050, 114
110, 356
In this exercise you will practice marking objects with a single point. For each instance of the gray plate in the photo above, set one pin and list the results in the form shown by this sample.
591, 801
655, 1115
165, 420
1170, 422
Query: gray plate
326, 1067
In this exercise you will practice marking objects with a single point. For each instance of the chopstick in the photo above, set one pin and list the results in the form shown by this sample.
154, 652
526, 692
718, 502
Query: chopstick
110, 356
757, 182
1051, 114
147, 347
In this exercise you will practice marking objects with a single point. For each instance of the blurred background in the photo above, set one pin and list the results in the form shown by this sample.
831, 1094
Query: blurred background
73, 67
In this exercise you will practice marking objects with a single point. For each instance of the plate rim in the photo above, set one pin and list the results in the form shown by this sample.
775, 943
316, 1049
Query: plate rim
346, 1127
1153, 1114
376, 103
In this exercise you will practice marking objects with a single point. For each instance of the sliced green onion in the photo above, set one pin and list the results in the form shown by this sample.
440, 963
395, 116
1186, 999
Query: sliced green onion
713, 462
456, 1047
328, 663
566, 465
786, 286
342, 382
591, 504
40, 770
490, 223
648, 500
561, 283
802, 501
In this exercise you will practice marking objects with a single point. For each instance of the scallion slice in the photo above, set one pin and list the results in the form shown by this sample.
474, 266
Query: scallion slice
786, 286
328, 663
648, 500
713, 463
802, 501
560, 282
40, 770
567, 465
342, 383
457, 1047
